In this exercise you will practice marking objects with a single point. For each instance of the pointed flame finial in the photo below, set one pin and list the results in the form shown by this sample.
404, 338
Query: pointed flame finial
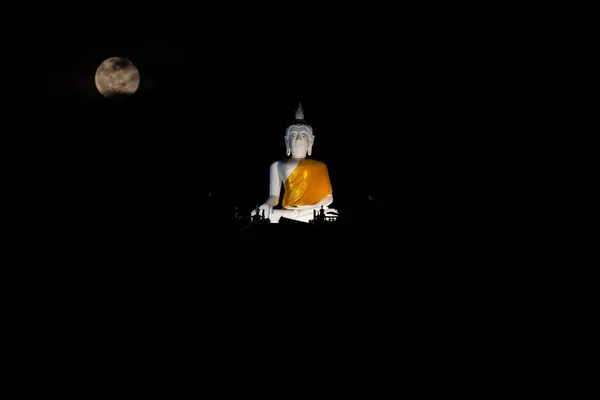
299, 122
300, 112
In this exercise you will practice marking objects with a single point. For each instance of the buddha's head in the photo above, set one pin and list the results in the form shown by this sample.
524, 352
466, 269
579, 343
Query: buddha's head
299, 137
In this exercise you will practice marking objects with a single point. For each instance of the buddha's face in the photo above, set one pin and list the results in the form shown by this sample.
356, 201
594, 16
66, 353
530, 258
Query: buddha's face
299, 141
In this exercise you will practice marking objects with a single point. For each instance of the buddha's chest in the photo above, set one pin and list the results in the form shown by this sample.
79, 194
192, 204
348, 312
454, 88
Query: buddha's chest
287, 168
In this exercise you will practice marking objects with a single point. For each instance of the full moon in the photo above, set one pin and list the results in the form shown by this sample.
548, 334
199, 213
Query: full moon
117, 77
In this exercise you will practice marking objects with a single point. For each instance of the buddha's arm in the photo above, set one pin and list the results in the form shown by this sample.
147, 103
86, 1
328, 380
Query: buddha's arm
274, 190
274, 185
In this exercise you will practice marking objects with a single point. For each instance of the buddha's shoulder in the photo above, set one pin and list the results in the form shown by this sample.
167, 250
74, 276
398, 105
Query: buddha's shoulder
289, 161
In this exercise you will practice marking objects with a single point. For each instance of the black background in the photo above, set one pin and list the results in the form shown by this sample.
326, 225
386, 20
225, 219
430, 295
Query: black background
122, 240
409, 109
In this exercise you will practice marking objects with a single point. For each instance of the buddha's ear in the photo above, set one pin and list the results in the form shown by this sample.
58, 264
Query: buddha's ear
288, 151
311, 139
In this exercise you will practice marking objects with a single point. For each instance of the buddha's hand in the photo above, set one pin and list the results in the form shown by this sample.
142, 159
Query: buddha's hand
301, 207
267, 208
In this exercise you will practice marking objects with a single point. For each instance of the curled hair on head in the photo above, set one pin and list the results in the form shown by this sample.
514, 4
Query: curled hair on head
299, 123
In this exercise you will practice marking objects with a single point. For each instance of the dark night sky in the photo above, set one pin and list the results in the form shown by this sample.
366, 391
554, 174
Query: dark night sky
114, 224
400, 111
392, 112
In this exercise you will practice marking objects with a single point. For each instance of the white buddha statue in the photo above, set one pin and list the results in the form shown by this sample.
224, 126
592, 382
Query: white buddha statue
306, 185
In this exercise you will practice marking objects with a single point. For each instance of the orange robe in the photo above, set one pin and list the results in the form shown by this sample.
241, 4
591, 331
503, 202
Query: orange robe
307, 184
